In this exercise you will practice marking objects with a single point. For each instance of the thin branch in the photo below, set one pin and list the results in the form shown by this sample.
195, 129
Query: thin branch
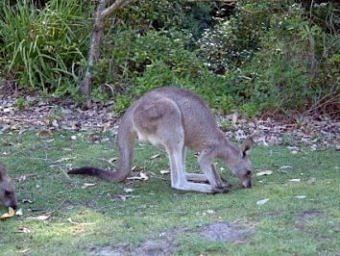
116, 5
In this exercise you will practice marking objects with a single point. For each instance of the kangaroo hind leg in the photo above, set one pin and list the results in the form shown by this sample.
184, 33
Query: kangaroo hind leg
159, 120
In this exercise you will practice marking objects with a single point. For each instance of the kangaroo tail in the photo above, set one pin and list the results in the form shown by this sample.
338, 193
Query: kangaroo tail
102, 174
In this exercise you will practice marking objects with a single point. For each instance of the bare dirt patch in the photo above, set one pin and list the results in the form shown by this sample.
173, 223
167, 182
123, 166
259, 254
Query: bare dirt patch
106, 251
225, 232
303, 219
310, 214
160, 244
165, 243
147, 248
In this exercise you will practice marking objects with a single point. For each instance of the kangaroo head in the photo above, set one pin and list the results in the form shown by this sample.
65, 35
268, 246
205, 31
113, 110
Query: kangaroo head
241, 165
7, 191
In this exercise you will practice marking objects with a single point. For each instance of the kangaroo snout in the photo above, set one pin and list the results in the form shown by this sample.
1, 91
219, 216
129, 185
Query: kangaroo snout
9, 199
13, 204
247, 184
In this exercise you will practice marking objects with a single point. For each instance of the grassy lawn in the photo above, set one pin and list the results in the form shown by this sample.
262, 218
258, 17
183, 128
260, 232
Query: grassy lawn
62, 216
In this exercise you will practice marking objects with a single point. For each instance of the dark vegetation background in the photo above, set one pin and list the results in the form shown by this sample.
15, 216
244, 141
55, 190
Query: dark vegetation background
258, 57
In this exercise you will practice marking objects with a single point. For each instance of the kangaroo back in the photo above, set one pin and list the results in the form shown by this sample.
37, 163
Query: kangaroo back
198, 122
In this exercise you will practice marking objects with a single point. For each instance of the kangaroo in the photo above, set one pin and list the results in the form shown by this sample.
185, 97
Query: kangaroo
7, 191
178, 119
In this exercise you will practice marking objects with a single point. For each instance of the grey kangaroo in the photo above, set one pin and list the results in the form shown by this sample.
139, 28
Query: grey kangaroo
7, 191
176, 119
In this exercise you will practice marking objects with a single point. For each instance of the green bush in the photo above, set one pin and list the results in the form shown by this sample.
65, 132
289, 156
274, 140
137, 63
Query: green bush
155, 59
273, 56
145, 15
44, 49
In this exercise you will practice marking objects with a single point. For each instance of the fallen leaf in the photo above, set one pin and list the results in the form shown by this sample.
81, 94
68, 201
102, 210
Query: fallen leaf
9, 214
155, 156
55, 123
285, 168
27, 201
63, 159
122, 197
266, 172
262, 201
294, 150
300, 197
295, 180
25, 251
208, 212
111, 160
86, 185
128, 190
135, 168
291, 148
142, 176
41, 217
19, 212
163, 172
71, 221
24, 230
79, 223
8, 110
24, 177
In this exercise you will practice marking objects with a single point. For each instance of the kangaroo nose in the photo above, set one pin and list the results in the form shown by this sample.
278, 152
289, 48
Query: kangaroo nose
247, 184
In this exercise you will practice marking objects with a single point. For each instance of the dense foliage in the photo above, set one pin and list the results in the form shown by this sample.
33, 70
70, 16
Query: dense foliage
253, 56
44, 49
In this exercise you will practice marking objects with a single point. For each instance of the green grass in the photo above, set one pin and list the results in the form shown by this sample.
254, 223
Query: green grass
84, 220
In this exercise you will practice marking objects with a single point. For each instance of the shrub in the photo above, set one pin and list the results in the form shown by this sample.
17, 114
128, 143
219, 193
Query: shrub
44, 49
273, 56
154, 59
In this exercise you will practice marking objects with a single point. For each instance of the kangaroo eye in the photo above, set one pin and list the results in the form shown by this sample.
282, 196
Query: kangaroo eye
248, 173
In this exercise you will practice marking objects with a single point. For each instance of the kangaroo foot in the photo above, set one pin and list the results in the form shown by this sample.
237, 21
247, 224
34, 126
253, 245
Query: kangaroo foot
223, 188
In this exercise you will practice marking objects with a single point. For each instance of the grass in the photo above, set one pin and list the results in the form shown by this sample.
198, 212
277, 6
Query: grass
106, 218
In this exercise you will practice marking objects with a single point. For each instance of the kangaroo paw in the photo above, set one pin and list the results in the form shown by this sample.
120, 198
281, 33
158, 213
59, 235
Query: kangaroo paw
221, 189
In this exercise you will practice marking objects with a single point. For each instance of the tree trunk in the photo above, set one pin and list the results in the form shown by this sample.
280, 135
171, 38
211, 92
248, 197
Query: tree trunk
86, 85
101, 14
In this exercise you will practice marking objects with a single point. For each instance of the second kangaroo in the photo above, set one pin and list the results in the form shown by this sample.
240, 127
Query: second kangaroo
176, 119
7, 191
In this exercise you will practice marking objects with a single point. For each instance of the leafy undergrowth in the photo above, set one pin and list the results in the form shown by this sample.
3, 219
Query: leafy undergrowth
65, 215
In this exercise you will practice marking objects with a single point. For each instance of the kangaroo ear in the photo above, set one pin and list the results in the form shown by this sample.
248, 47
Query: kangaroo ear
246, 146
